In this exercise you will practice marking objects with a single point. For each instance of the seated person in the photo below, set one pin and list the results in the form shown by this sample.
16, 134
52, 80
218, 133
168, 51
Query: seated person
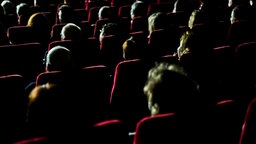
65, 14
170, 89
105, 12
138, 8
23, 13
57, 59
157, 21
83, 55
240, 13
52, 114
109, 29
9, 7
71, 31
131, 49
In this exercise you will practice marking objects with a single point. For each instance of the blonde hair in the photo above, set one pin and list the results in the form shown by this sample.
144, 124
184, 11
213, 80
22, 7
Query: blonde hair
38, 20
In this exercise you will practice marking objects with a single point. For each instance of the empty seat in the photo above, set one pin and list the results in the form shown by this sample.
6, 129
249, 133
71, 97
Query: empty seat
160, 129
111, 131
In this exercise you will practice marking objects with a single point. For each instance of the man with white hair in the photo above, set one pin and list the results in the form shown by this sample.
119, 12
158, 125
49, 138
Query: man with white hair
58, 58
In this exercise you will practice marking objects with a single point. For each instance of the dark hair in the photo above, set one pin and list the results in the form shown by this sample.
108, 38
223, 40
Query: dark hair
170, 87
110, 29
22, 8
104, 12
138, 8
67, 13
157, 21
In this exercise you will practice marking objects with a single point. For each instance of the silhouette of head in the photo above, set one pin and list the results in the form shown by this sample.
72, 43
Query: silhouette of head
65, 14
58, 58
104, 12
138, 8
170, 89
9, 7
71, 32
109, 29
239, 12
157, 21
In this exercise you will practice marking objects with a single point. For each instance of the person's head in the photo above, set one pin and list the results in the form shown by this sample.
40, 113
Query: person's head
196, 17
157, 21
23, 13
71, 32
46, 108
184, 5
65, 14
138, 8
71, 1
252, 2
104, 12
130, 49
170, 89
239, 12
42, 3
233, 3
58, 58
22, 9
108, 29
194, 42
40, 25
9, 7
39, 21
2, 13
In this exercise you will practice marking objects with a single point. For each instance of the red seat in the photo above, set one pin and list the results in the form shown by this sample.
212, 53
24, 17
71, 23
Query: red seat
13, 107
90, 87
20, 34
164, 7
139, 23
160, 129
110, 131
25, 59
124, 11
228, 116
248, 132
93, 14
128, 102
55, 32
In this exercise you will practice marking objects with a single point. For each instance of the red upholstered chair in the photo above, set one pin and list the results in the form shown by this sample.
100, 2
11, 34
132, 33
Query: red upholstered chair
13, 106
111, 131
128, 102
248, 132
228, 116
160, 129
20, 34
94, 82
25, 59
